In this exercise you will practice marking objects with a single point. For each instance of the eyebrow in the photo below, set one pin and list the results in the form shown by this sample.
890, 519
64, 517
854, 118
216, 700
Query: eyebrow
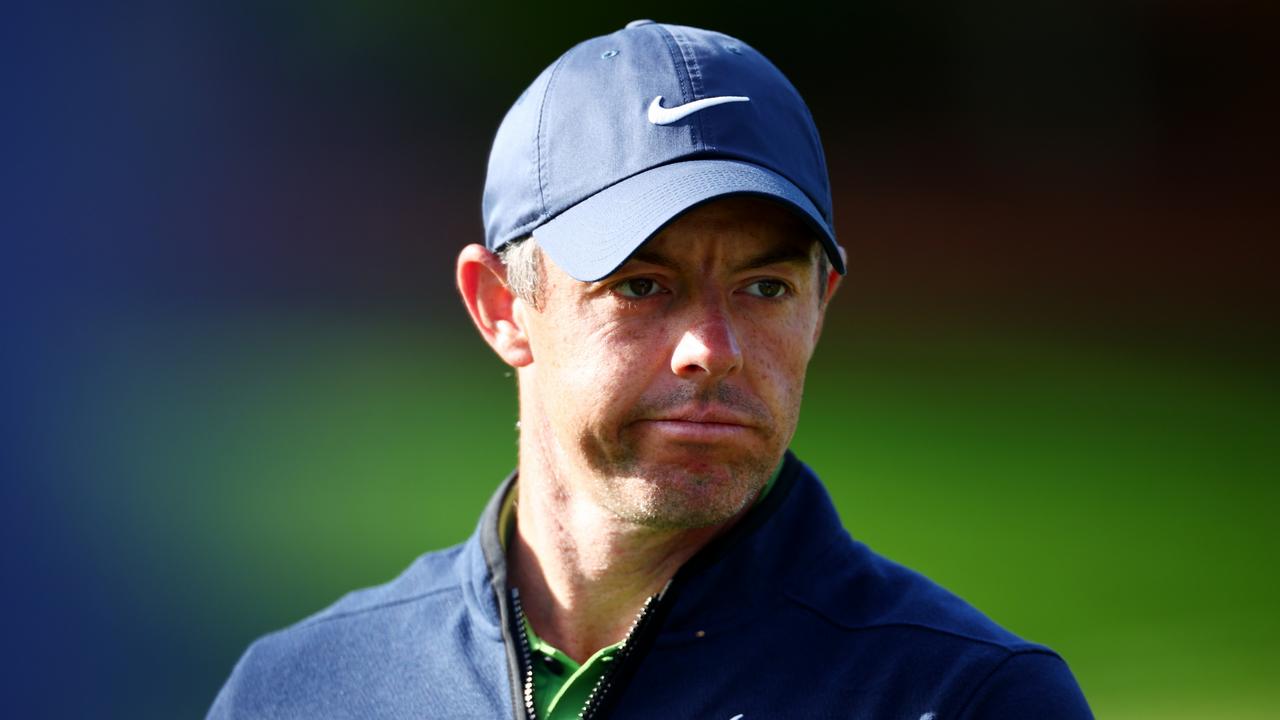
790, 255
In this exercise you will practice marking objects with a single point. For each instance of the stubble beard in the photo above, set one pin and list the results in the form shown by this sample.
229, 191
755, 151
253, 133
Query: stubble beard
687, 492
662, 498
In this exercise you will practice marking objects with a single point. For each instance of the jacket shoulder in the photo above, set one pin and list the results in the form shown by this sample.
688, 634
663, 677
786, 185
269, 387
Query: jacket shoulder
430, 573
1029, 683
915, 623
855, 588
354, 654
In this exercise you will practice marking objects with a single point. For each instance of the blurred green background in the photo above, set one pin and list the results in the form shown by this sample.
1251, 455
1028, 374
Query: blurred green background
240, 384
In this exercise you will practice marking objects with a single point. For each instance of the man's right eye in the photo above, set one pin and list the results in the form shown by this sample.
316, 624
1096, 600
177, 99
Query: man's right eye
636, 288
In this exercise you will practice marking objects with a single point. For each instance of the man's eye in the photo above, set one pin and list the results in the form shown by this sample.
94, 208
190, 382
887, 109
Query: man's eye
767, 289
638, 288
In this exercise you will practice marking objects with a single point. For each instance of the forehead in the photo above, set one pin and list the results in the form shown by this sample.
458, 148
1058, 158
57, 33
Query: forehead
734, 228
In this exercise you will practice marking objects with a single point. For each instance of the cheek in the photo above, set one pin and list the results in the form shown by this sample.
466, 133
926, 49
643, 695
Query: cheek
782, 346
777, 363
589, 367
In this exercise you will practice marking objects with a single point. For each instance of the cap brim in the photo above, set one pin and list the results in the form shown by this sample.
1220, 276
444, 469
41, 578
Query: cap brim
591, 239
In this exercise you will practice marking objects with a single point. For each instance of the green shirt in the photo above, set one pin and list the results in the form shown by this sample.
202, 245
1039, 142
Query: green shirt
560, 685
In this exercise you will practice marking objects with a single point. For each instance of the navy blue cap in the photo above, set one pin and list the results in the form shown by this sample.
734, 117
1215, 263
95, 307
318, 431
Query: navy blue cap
626, 131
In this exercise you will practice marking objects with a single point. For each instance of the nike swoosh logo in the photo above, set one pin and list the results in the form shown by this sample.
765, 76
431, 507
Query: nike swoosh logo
659, 115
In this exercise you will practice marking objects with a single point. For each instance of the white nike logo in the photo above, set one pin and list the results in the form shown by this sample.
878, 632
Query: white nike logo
659, 115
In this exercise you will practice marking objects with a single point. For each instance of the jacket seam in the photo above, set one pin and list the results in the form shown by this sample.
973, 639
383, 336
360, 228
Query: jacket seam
918, 626
379, 606
973, 694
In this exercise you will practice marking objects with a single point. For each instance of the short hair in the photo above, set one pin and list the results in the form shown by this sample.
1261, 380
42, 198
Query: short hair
526, 273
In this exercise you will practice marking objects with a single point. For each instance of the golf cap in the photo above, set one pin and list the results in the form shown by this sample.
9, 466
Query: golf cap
625, 132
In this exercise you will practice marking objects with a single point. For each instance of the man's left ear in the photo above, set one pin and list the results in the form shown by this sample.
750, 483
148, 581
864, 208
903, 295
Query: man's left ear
833, 282
833, 277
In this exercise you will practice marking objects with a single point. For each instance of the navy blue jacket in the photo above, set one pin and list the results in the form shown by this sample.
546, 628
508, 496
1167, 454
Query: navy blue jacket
784, 616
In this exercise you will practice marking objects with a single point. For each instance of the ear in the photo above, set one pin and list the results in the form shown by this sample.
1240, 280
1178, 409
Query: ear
834, 278
482, 282
833, 282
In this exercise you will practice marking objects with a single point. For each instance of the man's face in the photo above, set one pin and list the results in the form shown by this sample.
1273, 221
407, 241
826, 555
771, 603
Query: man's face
668, 391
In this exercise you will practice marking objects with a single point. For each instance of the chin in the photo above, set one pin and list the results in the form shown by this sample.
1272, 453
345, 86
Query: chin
685, 497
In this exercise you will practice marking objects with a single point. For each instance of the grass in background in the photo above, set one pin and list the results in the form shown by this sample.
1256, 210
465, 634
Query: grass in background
1115, 504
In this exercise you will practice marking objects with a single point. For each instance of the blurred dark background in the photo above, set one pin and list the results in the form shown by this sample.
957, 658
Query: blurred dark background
238, 383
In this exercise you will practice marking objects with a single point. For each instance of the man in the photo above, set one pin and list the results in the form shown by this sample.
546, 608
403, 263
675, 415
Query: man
659, 257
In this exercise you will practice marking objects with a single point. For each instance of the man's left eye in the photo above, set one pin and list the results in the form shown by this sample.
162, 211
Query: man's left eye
636, 288
767, 289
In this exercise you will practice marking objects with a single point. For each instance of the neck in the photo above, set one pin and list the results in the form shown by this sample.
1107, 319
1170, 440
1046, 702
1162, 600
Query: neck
584, 573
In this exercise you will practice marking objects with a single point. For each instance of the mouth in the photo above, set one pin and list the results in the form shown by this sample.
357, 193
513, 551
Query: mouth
699, 425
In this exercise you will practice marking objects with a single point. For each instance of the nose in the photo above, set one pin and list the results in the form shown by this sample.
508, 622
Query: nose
709, 346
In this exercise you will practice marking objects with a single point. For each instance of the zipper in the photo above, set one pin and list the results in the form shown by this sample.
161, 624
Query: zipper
602, 691
605, 686
526, 654
648, 621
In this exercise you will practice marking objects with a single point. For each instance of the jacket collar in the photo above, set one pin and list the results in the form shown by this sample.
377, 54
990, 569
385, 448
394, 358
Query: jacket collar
733, 580
482, 565
741, 576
